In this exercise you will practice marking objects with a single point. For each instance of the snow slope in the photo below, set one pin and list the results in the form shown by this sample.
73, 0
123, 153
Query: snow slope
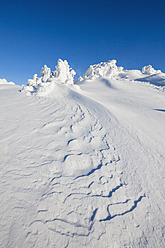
83, 164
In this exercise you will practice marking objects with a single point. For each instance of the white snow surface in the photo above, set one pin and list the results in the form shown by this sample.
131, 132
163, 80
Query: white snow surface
4, 81
83, 165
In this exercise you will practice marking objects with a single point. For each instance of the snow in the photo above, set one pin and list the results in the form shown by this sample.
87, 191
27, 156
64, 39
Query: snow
83, 164
103, 69
45, 73
63, 74
4, 81
149, 70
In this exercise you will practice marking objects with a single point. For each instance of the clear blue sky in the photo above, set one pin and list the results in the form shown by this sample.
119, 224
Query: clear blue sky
34, 33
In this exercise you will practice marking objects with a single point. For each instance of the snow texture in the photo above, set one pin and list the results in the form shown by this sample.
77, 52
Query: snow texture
4, 81
83, 164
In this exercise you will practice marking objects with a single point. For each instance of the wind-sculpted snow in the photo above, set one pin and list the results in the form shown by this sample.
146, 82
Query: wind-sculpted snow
63, 72
62, 175
4, 81
103, 69
109, 70
156, 80
45, 84
82, 165
149, 70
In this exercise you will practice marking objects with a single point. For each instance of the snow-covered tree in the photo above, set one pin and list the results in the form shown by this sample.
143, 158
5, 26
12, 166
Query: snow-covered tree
103, 69
149, 70
4, 81
64, 72
45, 73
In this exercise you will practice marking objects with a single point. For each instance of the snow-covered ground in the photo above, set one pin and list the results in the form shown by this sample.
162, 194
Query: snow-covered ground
83, 163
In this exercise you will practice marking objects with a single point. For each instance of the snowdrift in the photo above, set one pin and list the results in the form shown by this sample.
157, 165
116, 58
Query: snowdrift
82, 162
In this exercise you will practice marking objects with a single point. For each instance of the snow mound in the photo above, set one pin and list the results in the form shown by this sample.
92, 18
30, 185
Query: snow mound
4, 81
43, 85
104, 69
149, 70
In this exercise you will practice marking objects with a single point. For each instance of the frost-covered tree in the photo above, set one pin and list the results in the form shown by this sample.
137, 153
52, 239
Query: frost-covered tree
33, 82
45, 73
103, 69
64, 72
4, 81
149, 70
45, 76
